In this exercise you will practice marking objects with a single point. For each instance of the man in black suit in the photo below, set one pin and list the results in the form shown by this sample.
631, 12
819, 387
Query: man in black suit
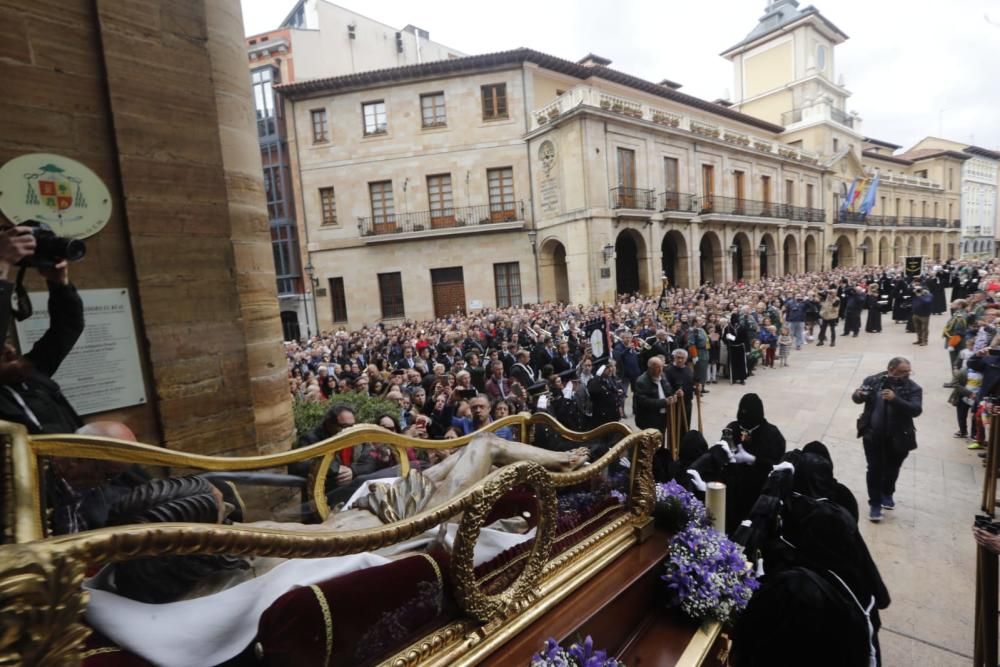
563, 361
408, 361
892, 401
522, 371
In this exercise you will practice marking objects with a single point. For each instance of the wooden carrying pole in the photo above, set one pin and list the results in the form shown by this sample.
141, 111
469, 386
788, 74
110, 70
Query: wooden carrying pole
697, 398
989, 503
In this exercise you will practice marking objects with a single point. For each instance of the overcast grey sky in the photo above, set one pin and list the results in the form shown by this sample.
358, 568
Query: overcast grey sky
915, 67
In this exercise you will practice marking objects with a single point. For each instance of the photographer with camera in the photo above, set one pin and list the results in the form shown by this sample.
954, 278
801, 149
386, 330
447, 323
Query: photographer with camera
28, 395
892, 401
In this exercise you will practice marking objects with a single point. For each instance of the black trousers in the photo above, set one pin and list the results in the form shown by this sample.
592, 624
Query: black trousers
832, 325
884, 462
852, 323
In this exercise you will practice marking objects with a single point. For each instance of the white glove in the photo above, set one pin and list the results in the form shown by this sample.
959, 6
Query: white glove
725, 448
697, 481
785, 465
695, 360
743, 456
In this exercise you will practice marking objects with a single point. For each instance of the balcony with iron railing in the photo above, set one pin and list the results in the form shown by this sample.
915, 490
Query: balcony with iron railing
715, 205
820, 111
638, 199
678, 202
471, 218
849, 218
635, 110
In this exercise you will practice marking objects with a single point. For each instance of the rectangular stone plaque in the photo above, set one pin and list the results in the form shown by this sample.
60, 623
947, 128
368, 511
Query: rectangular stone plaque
103, 371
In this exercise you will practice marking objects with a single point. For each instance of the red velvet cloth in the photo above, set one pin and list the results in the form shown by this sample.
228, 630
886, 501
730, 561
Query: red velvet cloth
519, 501
371, 613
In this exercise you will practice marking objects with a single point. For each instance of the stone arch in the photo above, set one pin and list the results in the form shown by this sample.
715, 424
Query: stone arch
630, 263
675, 258
710, 258
844, 254
742, 258
911, 246
925, 246
870, 253
811, 254
790, 254
884, 252
769, 258
553, 272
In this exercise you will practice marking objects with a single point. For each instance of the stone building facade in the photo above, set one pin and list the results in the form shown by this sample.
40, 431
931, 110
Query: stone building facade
317, 38
518, 176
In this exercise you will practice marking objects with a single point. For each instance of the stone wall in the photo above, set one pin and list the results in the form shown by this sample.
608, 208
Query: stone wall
154, 96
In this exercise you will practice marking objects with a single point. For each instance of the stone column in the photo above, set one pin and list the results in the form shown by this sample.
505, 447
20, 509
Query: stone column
154, 96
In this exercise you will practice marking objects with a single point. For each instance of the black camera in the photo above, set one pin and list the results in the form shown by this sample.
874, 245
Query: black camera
987, 523
50, 248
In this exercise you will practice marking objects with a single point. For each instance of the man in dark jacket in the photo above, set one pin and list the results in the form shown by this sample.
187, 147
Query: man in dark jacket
653, 394
892, 401
923, 304
627, 359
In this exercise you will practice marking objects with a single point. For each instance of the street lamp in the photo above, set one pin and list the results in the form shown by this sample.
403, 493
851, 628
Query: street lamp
313, 282
762, 248
608, 251
733, 249
533, 239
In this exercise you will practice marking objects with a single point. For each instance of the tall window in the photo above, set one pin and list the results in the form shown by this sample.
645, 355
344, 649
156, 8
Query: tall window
899, 208
274, 192
383, 207
809, 195
790, 192
263, 100
671, 183
338, 300
501, 187
935, 209
390, 292
951, 178
739, 185
923, 209
882, 209
626, 179
328, 204
707, 186
375, 120
494, 101
283, 245
432, 110
765, 189
507, 278
320, 128
440, 200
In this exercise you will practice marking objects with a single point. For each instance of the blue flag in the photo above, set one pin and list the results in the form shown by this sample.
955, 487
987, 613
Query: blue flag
869, 201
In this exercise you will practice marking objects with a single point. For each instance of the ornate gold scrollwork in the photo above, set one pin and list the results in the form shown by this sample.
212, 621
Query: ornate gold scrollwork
471, 598
642, 499
41, 606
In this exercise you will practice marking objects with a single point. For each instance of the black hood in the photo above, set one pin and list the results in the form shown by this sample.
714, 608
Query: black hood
692, 446
819, 449
751, 411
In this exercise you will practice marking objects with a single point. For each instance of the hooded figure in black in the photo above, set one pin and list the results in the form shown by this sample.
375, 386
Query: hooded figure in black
759, 446
814, 477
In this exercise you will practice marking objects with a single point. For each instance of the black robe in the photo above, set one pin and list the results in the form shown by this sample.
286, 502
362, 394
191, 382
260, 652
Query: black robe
745, 481
874, 322
902, 296
937, 284
738, 348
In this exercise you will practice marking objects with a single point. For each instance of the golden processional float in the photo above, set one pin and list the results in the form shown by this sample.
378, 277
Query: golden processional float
585, 561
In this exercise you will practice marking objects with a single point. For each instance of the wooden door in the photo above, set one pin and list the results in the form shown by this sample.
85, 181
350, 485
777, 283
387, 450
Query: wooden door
740, 191
448, 289
440, 200
707, 187
501, 186
670, 185
626, 178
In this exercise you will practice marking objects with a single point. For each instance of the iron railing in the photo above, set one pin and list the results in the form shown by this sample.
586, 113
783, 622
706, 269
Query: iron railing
712, 204
678, 201
848, 218
805, 213
446, 218
634, 198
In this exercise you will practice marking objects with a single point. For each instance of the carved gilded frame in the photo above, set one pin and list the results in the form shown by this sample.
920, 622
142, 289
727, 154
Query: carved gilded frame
41, 601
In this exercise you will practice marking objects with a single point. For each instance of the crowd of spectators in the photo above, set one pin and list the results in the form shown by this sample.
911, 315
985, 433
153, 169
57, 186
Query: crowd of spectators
539, 356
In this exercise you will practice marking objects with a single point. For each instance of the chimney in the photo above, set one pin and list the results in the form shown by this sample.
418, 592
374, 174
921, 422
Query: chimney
593, 60
667, 83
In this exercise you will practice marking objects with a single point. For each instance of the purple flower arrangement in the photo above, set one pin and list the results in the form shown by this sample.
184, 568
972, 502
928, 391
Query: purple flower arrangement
707, 574
577, 655
677, 507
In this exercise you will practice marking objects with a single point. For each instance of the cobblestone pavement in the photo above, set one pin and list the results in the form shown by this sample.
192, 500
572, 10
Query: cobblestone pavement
924, 548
